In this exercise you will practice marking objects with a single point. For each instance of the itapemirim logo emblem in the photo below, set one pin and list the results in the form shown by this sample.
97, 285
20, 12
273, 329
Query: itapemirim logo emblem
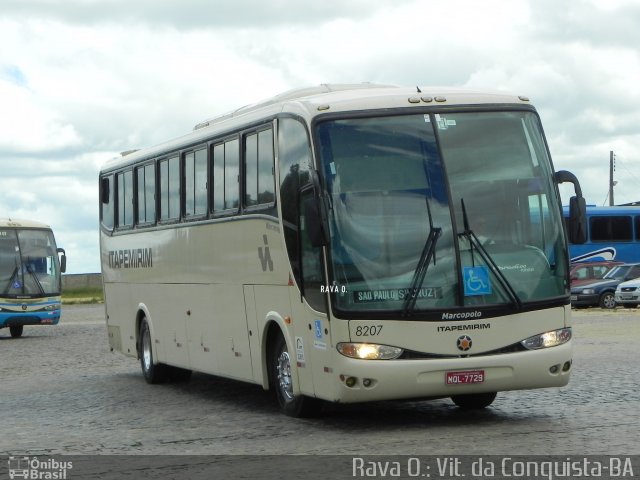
464, 343
35, 469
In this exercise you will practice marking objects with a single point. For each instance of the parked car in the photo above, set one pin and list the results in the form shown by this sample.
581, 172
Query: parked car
587, 272
602, 292
628, 293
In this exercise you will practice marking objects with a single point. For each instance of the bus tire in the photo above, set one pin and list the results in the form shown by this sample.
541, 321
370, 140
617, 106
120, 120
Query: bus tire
280, 380
16, 330
152, 372
607, 300
474, 401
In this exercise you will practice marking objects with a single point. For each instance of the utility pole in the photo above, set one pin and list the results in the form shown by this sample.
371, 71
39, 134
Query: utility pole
611, 182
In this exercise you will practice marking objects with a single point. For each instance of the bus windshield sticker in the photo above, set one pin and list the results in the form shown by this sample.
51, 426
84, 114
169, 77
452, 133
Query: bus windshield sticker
395, 295
476, 280
444, 123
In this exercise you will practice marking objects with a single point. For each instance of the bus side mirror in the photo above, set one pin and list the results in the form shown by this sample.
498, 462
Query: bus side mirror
313, 205
104, 190
63, 260
577, 224
315, 225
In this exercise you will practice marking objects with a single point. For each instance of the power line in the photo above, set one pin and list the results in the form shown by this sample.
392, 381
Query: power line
628, 171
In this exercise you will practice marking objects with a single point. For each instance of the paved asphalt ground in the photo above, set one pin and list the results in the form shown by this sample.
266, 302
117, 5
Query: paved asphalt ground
63, 392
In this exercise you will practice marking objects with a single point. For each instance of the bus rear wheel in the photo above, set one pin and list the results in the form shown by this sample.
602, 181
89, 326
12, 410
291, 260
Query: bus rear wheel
152, 372
474, 401
281, 382
16, 330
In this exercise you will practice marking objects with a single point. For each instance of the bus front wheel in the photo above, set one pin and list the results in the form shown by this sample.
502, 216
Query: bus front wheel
474, 401
16, 330
281, 382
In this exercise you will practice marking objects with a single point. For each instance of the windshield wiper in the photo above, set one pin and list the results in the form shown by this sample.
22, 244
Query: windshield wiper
13, 275
35, 277
474, 241
428, 253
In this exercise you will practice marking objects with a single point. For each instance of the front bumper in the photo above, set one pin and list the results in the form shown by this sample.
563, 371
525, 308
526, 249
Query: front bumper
10, 319
628, 298
405, 379
581, 300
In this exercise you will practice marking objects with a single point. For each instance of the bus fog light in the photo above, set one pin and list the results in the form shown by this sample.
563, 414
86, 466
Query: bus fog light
548, 339
351, 381
369, 351
554, 369
366, 382
567, 366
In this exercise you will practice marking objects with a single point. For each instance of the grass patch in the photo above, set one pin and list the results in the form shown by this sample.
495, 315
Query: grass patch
82, 295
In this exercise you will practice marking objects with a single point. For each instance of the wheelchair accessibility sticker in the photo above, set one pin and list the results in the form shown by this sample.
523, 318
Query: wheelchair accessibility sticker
476, 280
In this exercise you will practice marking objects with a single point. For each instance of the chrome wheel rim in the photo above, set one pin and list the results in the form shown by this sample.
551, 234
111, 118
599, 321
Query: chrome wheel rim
609, 301
146, 349
283, 371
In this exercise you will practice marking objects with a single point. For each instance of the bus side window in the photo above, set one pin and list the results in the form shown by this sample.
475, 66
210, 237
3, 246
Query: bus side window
169, 189
231, 175
611, 228
125, 199
106, 204
294, 152
195, 183
146, 177
259, 165
225, 171
266, 177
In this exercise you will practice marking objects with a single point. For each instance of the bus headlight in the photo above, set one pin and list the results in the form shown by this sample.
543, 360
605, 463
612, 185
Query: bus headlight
53, 306
548, 339
369, 351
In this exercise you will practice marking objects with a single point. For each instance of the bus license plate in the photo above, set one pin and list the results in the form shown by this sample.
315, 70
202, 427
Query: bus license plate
464, 377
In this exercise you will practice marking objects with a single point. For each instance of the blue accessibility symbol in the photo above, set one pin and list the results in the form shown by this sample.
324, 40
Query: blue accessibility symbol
16, 284
318, 328
476, 280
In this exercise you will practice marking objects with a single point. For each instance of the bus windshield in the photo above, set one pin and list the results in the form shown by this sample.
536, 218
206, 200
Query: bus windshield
471, 191
28, 266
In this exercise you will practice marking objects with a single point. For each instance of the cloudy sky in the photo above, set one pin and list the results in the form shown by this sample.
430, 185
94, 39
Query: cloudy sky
82, 80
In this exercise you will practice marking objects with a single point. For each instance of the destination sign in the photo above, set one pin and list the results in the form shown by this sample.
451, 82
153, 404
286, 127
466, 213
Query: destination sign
396, 294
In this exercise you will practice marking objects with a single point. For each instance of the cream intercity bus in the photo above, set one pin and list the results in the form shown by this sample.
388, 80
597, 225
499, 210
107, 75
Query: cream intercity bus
346, 243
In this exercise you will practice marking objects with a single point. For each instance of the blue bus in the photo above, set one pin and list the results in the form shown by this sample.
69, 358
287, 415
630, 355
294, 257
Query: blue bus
30, 281
613, 233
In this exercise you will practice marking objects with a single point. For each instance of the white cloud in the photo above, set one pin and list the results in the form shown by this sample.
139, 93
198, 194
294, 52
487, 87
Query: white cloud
28, 126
